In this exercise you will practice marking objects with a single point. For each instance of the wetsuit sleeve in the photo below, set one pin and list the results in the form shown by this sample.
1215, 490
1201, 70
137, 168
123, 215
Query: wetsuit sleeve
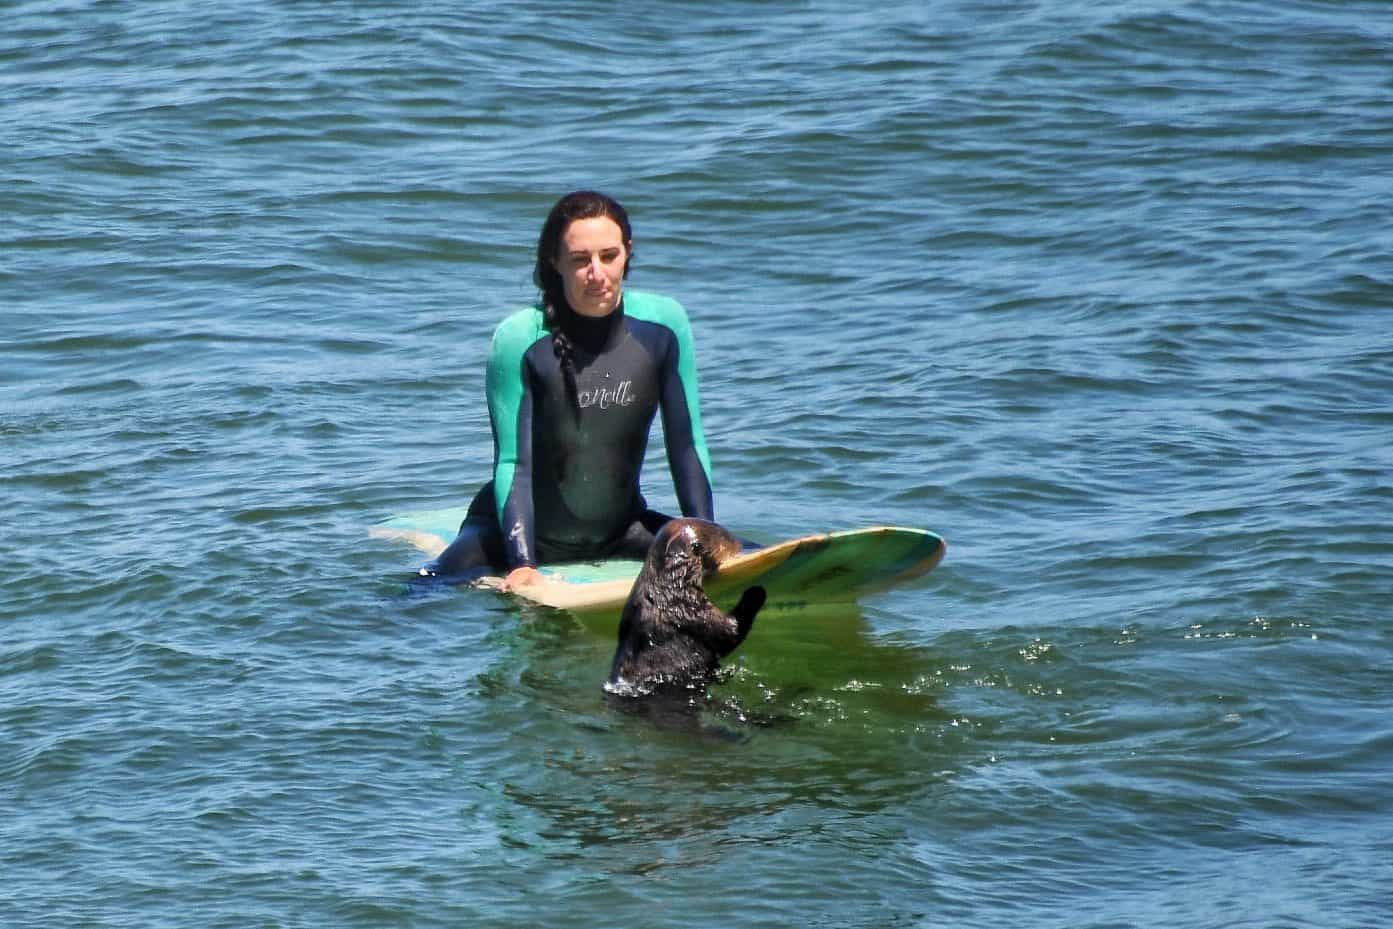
509, 391
687, 456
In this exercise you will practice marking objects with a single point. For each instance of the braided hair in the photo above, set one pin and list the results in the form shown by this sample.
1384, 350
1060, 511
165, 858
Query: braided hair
580, 204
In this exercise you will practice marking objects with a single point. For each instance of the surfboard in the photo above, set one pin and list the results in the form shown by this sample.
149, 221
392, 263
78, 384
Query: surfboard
831, 567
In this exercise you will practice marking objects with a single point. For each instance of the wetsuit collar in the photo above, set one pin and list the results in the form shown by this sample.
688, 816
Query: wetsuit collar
594, 334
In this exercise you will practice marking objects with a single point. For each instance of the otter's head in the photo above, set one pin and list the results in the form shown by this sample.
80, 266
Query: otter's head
691, 549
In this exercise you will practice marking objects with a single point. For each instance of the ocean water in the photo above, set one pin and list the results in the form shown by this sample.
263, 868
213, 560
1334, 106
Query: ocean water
1100, 291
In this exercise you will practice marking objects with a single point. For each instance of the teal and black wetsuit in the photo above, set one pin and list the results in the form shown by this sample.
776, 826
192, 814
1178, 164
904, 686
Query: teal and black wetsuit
566, 464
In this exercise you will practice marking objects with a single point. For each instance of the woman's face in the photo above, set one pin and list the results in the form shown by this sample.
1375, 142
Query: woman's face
591, 262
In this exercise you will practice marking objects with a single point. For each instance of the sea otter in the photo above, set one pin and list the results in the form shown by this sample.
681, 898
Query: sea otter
671, 637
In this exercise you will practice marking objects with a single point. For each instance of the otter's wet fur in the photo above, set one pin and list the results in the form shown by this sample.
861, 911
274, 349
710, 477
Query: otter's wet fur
671, 637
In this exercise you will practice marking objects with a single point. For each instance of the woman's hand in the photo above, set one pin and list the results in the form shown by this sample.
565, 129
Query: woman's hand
521, 577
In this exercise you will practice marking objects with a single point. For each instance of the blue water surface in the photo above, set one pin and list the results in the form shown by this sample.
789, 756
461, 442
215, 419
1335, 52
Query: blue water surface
1099, 291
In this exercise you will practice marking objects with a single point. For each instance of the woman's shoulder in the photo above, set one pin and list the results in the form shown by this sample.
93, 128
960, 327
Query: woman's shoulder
655, 308
519, 330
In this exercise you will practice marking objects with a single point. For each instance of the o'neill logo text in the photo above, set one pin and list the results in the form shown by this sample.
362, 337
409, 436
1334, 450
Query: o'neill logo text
606, 397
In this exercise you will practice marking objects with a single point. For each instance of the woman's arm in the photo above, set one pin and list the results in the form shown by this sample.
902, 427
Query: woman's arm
509, 391
687, 456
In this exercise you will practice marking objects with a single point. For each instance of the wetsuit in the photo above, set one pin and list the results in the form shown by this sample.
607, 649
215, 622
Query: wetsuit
566, 462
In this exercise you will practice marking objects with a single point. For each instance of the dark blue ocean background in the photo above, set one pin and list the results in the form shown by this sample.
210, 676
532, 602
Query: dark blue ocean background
1102, 292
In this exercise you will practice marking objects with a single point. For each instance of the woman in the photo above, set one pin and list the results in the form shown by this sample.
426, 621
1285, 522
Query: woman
573, 386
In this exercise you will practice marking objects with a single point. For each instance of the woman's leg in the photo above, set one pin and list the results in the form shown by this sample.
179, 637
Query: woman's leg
636, 541
477, 549
639, 537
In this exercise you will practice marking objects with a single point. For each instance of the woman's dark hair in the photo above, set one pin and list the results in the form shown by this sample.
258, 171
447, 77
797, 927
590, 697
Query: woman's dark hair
580, 204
